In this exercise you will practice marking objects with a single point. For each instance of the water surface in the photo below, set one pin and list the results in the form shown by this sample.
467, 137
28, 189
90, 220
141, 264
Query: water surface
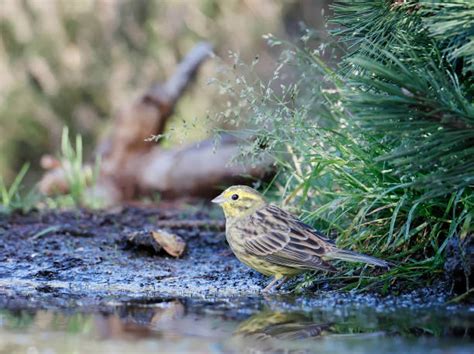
238, 326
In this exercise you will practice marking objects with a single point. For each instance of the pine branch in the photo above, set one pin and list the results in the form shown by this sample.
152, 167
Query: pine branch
424, 111
381, 23
452, 23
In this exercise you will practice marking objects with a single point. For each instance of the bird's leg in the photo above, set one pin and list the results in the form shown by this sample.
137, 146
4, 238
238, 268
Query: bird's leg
272, 284
283, 281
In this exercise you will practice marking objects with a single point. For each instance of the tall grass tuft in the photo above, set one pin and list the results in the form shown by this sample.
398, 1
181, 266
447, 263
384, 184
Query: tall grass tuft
79, 176
12, 197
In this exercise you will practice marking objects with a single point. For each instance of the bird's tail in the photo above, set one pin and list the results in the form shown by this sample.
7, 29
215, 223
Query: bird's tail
350, 256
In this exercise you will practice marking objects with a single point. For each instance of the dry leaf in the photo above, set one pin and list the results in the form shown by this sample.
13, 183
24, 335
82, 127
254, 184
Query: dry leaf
171, 243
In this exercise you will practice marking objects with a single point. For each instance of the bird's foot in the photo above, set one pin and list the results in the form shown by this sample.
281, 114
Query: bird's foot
275, 284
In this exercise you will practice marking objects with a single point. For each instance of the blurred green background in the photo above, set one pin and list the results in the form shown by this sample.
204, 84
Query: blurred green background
75, 62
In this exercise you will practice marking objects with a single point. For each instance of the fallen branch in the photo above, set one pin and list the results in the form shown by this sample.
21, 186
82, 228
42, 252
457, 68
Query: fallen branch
132, 166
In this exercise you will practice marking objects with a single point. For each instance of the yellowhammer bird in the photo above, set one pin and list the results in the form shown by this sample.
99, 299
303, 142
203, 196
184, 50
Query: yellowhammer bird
274, 242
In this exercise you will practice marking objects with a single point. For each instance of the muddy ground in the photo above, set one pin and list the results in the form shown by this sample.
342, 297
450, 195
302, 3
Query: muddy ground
82, 258
70, 280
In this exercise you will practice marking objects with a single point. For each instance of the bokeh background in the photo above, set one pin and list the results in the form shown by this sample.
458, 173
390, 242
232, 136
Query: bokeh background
75, 62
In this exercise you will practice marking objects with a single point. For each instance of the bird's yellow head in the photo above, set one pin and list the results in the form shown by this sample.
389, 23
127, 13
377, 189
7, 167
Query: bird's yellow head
239, 201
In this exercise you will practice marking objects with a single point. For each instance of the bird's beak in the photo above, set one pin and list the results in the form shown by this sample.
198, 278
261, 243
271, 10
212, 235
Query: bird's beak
219, 199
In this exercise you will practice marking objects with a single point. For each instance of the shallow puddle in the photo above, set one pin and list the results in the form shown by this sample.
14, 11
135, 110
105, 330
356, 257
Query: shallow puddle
237, 326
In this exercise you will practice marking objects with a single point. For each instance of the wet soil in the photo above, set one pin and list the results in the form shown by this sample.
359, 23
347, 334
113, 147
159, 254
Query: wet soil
74, 273
79, 256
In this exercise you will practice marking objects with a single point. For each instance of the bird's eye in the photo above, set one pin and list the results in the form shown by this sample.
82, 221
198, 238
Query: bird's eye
235, 196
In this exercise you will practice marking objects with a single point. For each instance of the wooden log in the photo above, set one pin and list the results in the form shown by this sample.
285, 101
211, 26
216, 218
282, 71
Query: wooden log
132, 166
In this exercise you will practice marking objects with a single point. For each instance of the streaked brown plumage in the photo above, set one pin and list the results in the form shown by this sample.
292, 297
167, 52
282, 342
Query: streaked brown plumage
274, 242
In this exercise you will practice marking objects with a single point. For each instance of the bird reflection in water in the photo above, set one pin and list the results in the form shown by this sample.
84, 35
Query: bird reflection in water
270, 331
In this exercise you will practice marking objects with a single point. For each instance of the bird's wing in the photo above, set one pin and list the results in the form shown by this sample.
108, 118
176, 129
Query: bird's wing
280, 238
